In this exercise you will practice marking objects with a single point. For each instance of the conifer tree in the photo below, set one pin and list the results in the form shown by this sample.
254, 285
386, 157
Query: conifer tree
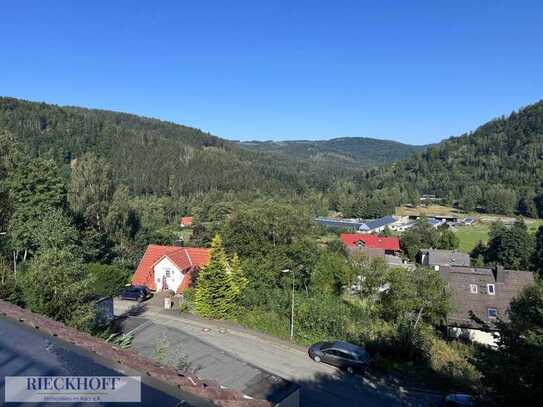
237, 275
215, 293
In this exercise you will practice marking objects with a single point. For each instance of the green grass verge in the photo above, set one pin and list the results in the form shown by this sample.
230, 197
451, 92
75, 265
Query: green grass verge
471, 235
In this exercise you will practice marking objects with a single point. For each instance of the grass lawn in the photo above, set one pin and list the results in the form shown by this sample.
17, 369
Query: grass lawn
471, 235
185, 234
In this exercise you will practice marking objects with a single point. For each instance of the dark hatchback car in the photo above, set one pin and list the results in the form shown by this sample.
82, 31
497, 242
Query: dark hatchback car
340, 354
136, 293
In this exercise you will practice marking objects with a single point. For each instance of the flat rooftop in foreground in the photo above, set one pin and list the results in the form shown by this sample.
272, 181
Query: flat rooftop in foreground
31, 344
27, 352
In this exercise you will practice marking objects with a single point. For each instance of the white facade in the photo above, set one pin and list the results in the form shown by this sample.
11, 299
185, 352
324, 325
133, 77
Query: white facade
167, 275
475, 335
401, 227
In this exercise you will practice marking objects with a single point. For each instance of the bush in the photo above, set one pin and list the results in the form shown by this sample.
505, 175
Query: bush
265, 321
107, 280
452, 361
56, 285
321, 317
187, 302
8, 285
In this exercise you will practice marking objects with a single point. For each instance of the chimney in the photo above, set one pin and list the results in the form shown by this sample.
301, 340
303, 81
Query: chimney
499, 273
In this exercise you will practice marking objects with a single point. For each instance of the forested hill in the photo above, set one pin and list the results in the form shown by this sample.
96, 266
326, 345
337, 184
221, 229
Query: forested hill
498, 167
346, 151
153, 156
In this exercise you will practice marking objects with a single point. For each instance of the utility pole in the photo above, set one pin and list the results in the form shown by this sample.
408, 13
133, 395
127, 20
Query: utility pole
292, 303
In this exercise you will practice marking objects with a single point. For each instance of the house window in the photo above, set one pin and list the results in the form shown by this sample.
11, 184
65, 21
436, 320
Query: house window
492, 313
491, 289
168, 273
473, 288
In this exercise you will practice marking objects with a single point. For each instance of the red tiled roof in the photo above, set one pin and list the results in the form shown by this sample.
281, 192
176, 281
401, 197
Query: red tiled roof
187, 259
186, 221
370, 241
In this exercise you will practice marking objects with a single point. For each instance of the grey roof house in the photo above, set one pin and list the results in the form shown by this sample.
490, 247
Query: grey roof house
482, 292
435, 257
358, 225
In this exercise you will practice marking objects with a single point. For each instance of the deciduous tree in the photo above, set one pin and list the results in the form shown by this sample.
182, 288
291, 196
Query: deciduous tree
91, 189
513, 370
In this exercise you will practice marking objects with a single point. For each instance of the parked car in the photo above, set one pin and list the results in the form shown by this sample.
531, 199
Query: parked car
134, 292
340, 354
459, 400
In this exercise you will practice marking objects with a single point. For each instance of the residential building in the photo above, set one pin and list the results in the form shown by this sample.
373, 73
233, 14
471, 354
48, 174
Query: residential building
387, 244
186, 221
435, 258
482, 293
403, 225
359, 225
441, 218
469, 221
170, 267
429, 198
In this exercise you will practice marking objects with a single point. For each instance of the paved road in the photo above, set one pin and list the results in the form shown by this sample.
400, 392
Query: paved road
321, 385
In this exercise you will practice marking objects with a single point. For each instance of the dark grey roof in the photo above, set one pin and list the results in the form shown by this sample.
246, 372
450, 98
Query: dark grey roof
361, 224
507, 285
342, 224
447, 258
377, 223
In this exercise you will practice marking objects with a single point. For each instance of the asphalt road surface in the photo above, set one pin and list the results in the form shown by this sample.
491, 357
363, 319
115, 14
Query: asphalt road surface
321, 385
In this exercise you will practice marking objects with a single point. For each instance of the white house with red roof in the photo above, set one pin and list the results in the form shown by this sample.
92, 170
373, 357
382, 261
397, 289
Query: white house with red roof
185, 221
170, 267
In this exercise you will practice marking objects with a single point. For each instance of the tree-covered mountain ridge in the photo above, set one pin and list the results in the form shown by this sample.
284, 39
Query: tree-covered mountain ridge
151, 156
498, 167
348, 151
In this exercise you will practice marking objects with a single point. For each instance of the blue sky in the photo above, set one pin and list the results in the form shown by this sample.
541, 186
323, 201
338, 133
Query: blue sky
412, 71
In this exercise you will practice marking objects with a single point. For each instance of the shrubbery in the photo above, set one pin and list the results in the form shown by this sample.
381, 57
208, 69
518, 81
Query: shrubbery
107, 280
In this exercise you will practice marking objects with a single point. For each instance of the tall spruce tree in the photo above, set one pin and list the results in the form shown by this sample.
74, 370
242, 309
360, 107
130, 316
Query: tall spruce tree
237, 275
215, 293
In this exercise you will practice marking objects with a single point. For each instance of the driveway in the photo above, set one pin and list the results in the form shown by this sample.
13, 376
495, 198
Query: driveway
321, 385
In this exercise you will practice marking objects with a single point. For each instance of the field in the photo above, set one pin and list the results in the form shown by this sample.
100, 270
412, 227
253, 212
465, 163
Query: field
429, 210
469, 235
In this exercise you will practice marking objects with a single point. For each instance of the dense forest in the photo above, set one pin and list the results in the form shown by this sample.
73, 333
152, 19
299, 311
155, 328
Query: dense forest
350, 152
156, 157
497, 168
